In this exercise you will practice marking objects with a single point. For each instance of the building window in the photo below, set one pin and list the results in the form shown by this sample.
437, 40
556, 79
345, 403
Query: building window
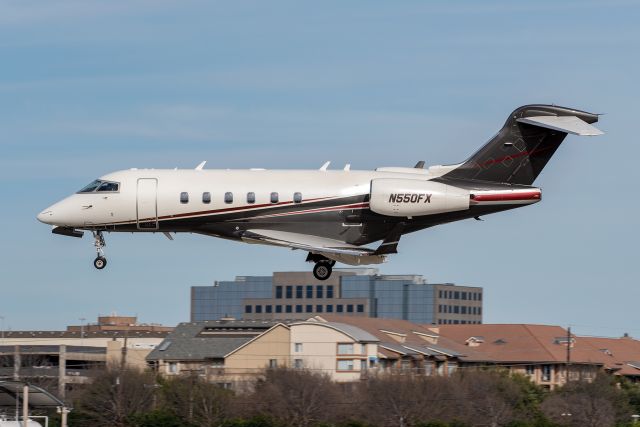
546, 372
278, 309
345, 348
479, 297
479, 310
319, 291
258, 309
251, 197
309, 308
464, 295
329, 291
349, 308
440, 293
228, 197
297, 197
273, 363
288, 309
360, 308
456, 309
297, 347
299, 292
309, 291
289, 292
318, 308
278, 292
298, 364
184, 197
463, 309
339, 308
274, 197
299, 308
248, 309
172, 367
531, 370
268, 308
345, 365
456, 295
329, 308
206, 197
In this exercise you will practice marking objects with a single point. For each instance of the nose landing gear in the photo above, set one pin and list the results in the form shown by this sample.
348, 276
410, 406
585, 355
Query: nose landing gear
100, 262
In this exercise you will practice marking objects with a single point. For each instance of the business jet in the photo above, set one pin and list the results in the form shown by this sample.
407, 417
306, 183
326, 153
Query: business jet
330, 214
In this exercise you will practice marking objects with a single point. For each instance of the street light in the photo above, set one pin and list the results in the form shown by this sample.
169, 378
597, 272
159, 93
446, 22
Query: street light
2, 329
82, 319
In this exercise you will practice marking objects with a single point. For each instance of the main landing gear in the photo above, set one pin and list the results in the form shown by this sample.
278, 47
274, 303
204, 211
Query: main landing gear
100, 262
323, 268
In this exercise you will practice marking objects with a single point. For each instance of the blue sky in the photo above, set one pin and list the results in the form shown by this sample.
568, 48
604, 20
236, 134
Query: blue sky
88, 87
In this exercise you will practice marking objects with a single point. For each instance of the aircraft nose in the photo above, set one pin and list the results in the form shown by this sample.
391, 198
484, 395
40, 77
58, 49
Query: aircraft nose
46, 216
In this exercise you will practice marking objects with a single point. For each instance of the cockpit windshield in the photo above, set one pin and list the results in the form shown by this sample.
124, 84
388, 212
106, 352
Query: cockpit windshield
101, 186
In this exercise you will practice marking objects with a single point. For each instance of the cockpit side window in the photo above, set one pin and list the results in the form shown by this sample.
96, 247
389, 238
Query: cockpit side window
101, 186
108, 186
91, 187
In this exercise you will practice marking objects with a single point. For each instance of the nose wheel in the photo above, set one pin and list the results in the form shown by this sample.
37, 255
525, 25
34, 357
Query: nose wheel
100, 262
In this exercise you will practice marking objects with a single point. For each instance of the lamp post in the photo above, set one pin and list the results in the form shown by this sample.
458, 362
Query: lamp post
82, 319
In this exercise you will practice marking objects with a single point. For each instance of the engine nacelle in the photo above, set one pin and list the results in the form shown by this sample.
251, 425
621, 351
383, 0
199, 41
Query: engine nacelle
413, 197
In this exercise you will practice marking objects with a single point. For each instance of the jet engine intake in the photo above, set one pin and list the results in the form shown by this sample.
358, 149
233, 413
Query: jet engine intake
412, 197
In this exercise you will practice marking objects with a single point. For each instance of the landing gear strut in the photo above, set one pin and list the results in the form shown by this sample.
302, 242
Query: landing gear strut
100, 262
323, 267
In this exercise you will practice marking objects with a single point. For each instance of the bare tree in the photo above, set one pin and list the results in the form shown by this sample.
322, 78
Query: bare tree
297, 398
596, 404
201, 403
115, 395
404, 400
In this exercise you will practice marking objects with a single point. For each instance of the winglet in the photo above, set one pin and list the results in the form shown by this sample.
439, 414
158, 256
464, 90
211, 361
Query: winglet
201, 166
325, 166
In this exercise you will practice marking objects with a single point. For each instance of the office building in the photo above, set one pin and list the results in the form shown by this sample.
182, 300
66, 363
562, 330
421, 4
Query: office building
348, 292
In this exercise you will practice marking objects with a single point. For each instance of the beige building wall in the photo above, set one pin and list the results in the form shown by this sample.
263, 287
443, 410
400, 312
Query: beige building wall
314, 346
258, 354
132, 342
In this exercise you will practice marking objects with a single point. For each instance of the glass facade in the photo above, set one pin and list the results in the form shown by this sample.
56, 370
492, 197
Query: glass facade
355, 294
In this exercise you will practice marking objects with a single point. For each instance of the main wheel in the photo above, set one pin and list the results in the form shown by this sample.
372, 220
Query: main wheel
100, 262
322, 270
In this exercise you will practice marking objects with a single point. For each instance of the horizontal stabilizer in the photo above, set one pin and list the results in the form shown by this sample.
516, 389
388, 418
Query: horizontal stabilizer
567, 124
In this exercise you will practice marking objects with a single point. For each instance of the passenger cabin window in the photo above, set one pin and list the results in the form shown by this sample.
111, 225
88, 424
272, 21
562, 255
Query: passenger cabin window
228, 197
297, 197
274, 197
206, 197
184, 197
102, 186
251, 197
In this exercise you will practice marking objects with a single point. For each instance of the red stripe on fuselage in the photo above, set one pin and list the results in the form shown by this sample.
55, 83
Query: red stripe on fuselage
500, 197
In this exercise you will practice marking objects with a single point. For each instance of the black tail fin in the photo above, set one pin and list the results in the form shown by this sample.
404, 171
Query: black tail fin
524, 145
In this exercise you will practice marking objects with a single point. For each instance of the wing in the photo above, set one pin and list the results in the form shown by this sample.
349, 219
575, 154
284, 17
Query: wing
332, 249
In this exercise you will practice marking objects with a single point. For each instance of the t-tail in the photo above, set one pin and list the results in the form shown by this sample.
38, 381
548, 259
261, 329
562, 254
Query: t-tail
524, 145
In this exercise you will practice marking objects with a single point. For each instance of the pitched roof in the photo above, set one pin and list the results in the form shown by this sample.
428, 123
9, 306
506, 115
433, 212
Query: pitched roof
622, 355
520, 343
209, 339
350, 330
414, 338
